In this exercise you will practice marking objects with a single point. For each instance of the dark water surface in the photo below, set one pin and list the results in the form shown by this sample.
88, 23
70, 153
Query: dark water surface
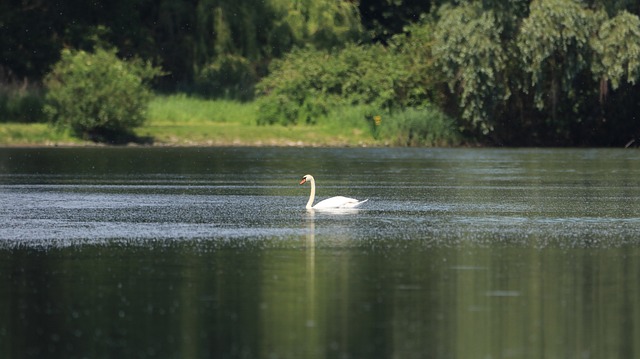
209, 253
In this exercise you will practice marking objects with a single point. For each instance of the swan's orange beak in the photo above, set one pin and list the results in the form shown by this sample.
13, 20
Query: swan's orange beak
304, 180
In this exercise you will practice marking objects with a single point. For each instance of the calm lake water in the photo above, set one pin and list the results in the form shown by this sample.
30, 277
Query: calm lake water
210, 253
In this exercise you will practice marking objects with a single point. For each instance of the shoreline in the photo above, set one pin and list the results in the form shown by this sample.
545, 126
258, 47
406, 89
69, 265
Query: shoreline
272, 143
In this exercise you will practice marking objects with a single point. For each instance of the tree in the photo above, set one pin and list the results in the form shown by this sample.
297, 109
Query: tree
554, 44
185, 36
468, 52
617, 50
616, 65
386, 18
97, 95
415, 77
573, 54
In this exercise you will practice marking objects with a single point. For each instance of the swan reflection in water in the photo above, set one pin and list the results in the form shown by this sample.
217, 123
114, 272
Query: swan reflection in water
338, 205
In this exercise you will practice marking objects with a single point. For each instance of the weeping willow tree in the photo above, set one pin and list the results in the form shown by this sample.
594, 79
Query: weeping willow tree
554, 43
322, 24
616, 66
469, 54
617, 52
234, 40
574, 54
193, 40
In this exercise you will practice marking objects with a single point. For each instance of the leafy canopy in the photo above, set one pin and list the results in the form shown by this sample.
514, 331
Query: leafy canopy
617, 49
554, 46
470, 56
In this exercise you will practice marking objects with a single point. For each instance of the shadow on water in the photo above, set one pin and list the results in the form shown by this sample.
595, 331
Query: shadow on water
210, 253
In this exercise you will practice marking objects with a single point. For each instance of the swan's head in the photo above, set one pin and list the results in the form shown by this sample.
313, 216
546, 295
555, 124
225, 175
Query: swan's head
306, 178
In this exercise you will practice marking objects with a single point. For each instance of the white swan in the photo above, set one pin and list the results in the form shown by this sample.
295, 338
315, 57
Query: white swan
333, 202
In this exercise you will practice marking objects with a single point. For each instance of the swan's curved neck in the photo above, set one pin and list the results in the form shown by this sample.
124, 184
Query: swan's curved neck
312, 196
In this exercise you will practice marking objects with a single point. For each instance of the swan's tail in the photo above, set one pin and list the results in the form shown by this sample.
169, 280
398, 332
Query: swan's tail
359, 203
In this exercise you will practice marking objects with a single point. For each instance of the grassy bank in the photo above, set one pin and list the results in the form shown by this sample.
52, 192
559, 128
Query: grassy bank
179, 120
34, 134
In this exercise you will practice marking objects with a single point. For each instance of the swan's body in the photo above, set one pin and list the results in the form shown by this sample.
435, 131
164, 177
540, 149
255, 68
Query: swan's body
329, 203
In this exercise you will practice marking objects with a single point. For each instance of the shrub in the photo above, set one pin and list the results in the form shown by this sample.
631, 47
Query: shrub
97, 95
292, 82
306, 82
424, 126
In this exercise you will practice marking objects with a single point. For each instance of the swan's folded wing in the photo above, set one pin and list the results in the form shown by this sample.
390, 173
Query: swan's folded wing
338, 202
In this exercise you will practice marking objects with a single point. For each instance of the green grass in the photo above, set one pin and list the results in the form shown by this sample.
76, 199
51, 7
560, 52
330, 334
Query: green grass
34, 134
188, 110
182, 120
179, 120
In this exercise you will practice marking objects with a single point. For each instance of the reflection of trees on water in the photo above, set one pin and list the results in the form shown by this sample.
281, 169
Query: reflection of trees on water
544, 303
321, 295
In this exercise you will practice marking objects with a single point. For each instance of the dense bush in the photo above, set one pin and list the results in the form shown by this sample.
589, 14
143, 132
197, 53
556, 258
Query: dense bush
307, 82
423, 126
391, 84
294, 86
97, 95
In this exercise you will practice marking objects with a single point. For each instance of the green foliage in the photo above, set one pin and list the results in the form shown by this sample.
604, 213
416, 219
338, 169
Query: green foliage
186, 36
617, 49
555, 72
97, 95
385, 18
230, 77
469, 54
321, 24
416, 80
246, 35
554, 44
425, 126
291, 85
571, 54
307, 82
21, 103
